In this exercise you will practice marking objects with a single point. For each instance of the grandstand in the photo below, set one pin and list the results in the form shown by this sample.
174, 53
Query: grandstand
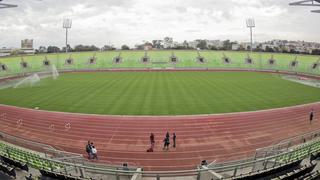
265, 144
187, 59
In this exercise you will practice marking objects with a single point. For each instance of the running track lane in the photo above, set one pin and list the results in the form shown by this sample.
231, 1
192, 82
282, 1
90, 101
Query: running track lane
119, 139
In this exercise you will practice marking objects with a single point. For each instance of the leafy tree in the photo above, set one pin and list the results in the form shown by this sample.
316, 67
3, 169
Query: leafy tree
53, 49
42, 49
80, 47
108, 48
269, 49
202, 44
125, 47
213, 48
139, 46
316, 52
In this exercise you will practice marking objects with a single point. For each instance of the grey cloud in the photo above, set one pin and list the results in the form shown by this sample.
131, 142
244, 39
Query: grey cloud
131, 21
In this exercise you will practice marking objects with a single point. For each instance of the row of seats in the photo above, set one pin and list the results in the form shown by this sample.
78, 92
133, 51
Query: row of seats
268, 172
21, 158
288, 161
58, 176
311, 176
15, 163
117, 60
32, 159
301, 152
297, 173
7, 169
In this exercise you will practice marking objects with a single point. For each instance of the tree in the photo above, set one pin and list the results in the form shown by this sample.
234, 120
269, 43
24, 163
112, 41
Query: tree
157, 44
213, 48
202, 44
108, 48
316, 52
259, 48
125, 47
42, 49
186, 44
139, 46
53, 49
80, 47
269, 49
227, 45
68, 47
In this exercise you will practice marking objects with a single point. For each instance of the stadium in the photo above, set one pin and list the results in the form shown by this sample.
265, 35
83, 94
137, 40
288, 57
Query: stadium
236, 114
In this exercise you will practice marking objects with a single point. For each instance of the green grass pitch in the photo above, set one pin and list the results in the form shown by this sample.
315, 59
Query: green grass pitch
161, 93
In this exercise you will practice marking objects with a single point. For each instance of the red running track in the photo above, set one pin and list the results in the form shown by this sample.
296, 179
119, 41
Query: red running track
119, 139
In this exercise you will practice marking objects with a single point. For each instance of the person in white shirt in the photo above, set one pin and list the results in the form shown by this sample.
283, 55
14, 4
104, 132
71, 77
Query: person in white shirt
94, 153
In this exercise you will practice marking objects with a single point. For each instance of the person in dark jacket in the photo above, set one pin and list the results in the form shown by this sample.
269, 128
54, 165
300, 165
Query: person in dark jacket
174, 140
168, 135
88, 149
311, 116
152, 141
166, 142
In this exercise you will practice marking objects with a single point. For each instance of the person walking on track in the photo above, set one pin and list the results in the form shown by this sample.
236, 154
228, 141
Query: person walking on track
311, 116
174, 140
152, 141
88, 149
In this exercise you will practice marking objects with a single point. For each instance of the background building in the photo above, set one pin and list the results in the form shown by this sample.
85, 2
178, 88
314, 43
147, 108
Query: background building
27, 46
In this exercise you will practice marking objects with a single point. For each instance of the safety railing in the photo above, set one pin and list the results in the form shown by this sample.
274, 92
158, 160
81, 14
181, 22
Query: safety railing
286, 144
231, 168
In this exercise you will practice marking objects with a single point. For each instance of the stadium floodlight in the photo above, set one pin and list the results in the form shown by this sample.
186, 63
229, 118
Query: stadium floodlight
67, 23
3, 5
250, 24
312, 3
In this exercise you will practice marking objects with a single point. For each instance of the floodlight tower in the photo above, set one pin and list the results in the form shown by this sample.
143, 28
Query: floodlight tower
3, 5
67, 23
312, 3
250, 24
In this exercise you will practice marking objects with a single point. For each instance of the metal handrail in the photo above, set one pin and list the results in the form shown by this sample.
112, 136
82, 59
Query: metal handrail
14, 138
216, 168
284, 141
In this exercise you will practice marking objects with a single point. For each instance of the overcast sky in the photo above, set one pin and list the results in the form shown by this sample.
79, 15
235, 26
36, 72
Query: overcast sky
129, 22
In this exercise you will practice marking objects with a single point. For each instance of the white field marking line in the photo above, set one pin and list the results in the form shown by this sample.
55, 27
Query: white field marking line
51, 127
183, 116
166, 116
212, 163
19, 123
67, 126
110, 139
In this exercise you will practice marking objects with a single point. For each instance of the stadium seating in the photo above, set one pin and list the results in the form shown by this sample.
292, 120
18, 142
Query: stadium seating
301, 153
15, 163
58, 176
23, 158
28, 158
296, 173
187, 59
7, 169
310, 176
268, 172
